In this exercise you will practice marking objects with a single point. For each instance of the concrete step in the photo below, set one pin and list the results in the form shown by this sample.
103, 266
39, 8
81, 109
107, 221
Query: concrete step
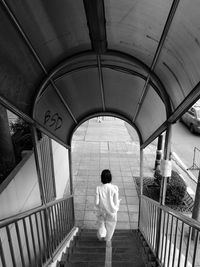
117, 232
102, 244
96, 264
89, 251
85, 264
90, 244
127, 264
93, 257
92, 238
92, 250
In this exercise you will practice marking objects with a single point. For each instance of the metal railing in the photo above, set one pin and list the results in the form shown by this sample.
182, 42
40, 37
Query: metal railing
196, 160
32, 238
172, 237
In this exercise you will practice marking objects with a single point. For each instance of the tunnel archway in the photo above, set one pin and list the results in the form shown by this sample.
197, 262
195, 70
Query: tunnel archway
109, 144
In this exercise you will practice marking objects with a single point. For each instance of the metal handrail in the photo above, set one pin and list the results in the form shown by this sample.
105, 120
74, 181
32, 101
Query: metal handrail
172, 236
24, 214
190, 221
32, 237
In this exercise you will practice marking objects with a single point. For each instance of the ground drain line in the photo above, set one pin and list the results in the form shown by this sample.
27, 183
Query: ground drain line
108, 259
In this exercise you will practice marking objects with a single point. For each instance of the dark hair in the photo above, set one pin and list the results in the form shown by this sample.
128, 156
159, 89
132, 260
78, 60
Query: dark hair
106, 176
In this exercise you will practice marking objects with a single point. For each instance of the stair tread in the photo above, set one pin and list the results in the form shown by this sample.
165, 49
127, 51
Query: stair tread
127, 264
96, 264
125, 257
95, 257
97, 243
89, 250
115, 238
121, 233
85, 264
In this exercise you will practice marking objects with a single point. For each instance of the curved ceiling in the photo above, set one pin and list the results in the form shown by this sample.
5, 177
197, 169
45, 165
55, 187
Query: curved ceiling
65, 61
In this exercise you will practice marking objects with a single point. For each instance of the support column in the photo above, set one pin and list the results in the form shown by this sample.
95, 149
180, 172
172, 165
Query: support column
141, 170
141, 182
196, 208
158, 153
38, 163
165, 172
71, 182
70, 171
165, 168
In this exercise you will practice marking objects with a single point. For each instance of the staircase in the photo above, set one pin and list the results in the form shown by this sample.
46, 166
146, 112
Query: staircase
87, 251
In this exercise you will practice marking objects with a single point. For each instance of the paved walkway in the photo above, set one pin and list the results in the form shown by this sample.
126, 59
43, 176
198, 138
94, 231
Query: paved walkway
108, 144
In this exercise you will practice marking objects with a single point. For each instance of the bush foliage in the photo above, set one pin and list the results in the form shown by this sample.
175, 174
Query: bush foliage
21, 136
176, 188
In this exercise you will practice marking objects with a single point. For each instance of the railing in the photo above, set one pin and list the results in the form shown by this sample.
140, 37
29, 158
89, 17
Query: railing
31, 238
196, 160
172, 237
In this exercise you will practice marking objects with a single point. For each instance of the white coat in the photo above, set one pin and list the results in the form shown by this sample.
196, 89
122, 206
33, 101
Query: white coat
107, 201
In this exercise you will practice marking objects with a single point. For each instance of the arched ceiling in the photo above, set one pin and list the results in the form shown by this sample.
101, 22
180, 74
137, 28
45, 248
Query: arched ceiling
68, 60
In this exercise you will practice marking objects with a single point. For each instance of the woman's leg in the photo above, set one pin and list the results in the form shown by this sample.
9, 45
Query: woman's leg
110, 224
101, 233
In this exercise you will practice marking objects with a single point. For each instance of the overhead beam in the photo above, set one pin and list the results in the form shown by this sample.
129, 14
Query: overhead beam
161, 93
95, 14
160, 130
154, 81
157, 54
193, 96
34, 53
101, 81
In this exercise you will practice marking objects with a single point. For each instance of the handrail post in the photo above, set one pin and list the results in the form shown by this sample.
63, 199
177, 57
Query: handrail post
141, 183
163, 187
47, 231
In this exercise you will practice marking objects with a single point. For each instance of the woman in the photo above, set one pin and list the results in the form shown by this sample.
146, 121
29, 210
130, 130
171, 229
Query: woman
107, 203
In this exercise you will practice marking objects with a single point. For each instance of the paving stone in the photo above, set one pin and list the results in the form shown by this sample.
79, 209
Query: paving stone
132, 200
122, 217
130, 192
123, 208
133, 217
134, 208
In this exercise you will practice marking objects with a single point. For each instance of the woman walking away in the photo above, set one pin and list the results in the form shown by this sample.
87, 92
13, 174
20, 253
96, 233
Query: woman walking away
107, 203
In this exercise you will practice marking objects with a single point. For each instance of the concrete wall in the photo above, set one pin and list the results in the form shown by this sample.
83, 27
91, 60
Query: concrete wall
61, 169
20, 191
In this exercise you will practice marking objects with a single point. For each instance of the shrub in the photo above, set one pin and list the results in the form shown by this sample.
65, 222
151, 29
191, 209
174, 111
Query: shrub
5, 169
176, 188
21, 136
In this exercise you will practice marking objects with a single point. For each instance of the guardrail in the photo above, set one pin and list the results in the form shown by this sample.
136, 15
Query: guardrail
196, 160
31, 238
172, 237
